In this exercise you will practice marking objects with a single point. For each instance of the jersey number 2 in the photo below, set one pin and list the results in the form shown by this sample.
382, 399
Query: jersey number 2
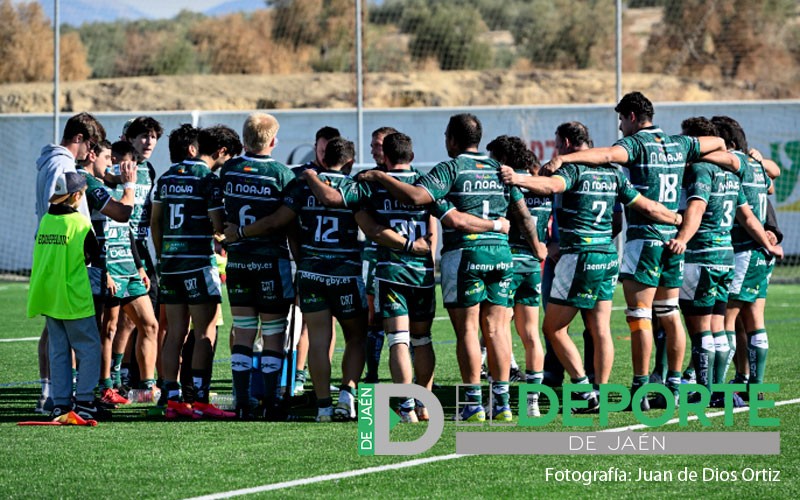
333, 227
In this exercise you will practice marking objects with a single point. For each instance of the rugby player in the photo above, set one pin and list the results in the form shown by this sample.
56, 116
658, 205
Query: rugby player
714, 200
321, 139
651, 277
127, 279
476, 268
753, 268
143, 133
586, 273
525, 288
369, 256
329, 281
187, 211
259, 282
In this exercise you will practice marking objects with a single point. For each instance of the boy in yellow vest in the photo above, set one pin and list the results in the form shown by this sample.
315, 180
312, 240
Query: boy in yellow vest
61, 292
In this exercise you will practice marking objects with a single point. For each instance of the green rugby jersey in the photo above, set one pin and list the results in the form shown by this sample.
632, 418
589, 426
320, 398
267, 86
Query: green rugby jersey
656, 162
188, 191
411, 221
113, 237
328, 234
755, 184
722, 193
142, 206
253, 187
587, 206
369, 249
471, 182
540, 207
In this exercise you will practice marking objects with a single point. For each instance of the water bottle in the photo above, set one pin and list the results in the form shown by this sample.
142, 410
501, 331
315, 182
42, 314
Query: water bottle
143, 395
222, 401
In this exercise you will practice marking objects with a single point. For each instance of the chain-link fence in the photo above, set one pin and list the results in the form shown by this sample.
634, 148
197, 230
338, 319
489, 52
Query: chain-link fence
302, 54
505, 53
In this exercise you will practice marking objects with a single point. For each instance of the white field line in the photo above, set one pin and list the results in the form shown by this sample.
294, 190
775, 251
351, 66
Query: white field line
23, 339
421, 461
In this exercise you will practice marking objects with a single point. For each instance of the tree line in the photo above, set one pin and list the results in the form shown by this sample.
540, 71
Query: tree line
730, 39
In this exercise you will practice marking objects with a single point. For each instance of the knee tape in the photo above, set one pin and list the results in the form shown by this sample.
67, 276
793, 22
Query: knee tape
245, 322
639, 318
401, 337
665, 307
421, 341
273, 327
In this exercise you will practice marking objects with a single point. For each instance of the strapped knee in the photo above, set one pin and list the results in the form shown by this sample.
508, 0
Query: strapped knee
421, 341
245, 322
273, 327
401, 337
665, 307
639, 318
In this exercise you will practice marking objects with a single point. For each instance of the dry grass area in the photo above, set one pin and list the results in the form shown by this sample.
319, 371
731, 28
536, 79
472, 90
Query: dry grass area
337, 90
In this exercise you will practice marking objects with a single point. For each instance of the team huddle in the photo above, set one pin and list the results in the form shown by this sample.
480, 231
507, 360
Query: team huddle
515, 236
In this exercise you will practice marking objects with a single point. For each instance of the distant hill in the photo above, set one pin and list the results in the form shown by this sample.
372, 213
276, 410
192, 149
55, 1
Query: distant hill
77, 12
233, 6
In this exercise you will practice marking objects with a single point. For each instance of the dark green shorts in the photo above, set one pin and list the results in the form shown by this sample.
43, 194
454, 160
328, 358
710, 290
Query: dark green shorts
201, 286
650, 263
344, 296
526, 289
476, 274
265, 284
583, 279
703, 286
397, 300
751, 277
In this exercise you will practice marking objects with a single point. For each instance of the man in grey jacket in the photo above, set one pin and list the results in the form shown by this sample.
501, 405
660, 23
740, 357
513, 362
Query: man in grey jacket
81, 133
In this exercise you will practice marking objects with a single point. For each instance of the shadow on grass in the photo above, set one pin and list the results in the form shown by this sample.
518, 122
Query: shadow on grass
17, 404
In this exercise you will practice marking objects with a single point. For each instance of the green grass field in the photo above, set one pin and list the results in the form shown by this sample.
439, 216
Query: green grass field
136, 456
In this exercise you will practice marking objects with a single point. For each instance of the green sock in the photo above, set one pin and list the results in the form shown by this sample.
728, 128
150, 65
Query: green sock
147, 383
500, 394
473, 395
585, 380
116, 366
758, 346
533, 377
721, 354
407, 405
703, 357
673, 381
732, 343
638, 381
106, 383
